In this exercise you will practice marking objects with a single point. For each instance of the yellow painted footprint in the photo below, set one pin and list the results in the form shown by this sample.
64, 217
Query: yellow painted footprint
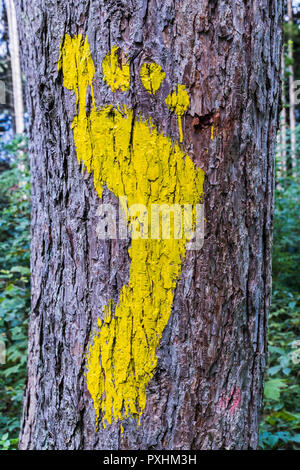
141, 167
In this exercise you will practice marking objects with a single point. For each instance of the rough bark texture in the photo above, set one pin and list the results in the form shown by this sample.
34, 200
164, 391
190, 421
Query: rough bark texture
207, 389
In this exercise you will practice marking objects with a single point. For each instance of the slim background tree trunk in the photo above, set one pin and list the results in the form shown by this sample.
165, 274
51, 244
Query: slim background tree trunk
15, 67
292, 96
283, 125
5, 75
207, 389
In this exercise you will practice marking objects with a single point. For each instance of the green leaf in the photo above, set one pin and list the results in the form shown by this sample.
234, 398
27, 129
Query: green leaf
274, 370
273, 388
20, 269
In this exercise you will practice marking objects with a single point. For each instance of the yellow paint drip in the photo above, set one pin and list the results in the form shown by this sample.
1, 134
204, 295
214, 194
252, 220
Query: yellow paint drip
114, 75
212, 132
151, 77
178, 104
137, 162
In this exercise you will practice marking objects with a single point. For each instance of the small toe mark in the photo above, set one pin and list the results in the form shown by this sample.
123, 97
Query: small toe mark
151, 77
178, 102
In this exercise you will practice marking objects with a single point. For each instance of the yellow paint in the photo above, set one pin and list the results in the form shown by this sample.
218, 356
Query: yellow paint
115, 76
137, 162
151, 77
212, 132
178, 104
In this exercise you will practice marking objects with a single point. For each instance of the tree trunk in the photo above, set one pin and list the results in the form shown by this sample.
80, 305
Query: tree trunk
15, 67
292, 96
282, 173
205, 382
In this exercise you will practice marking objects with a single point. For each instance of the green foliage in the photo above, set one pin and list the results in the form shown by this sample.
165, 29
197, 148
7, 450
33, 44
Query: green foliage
286, 250
281, 424
14, 287
8, 444
291, 31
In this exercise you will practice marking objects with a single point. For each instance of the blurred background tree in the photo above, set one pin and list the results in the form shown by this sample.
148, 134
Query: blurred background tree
280, 428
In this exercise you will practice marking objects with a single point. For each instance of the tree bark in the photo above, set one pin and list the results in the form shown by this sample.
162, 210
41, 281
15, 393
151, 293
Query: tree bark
206, 392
